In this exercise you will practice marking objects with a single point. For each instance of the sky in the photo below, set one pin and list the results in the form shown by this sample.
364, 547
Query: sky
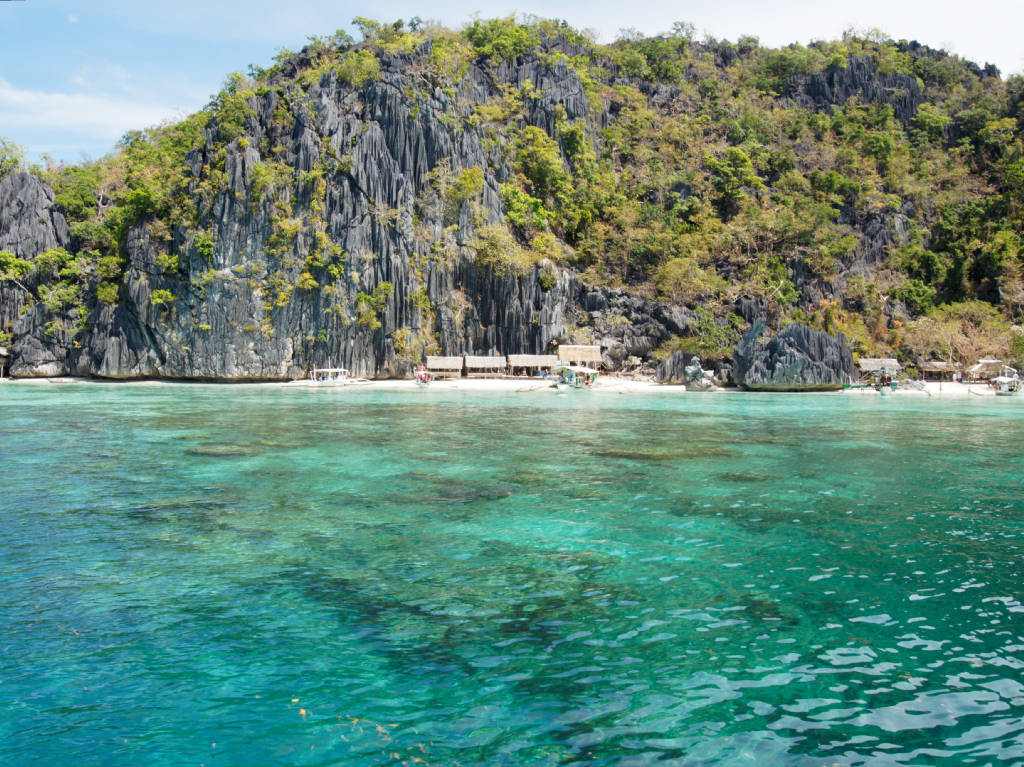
76, 76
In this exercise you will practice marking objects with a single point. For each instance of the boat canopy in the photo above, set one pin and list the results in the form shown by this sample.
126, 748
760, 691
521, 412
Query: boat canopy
985, 368
330, 375
1007, 375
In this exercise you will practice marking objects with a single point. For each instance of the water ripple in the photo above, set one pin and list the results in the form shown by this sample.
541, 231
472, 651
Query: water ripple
377, 579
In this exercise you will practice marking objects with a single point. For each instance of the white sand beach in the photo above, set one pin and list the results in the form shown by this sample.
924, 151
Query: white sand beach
605, 384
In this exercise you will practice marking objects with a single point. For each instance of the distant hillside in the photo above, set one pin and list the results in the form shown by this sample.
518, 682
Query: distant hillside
513, 184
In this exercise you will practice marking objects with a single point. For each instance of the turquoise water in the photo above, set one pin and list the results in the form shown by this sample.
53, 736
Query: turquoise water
243, 575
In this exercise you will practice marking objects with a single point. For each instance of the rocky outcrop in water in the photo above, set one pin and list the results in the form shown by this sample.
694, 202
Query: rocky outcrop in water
798, 358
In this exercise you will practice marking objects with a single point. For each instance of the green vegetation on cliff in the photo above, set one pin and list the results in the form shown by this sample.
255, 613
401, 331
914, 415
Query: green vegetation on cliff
864, 185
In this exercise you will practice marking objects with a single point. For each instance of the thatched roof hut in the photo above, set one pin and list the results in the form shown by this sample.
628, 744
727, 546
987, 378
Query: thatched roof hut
885, 365
531, 363
485, 366
444, 367
579, 354
3, 361
937, 370
984, 369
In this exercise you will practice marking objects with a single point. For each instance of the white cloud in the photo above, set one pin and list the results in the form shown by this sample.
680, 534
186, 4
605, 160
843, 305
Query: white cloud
89, 115
72, 19
104, 76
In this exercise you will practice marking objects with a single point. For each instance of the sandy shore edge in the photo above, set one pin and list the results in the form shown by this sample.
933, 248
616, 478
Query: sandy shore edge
609, 384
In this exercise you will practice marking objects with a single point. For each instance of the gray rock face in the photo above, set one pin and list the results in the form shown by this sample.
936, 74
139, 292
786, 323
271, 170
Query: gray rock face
696, 378
797, 359
243, 313
860, 78
684, 368
29, 224
30, 221
240, 313
672, 369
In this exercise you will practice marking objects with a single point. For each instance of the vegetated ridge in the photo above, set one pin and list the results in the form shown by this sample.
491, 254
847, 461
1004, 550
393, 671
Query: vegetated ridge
511, 185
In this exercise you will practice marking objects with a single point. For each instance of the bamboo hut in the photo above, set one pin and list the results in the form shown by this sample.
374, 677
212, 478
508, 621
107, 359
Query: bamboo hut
885, 365
531, 364
936, 370
485, 367
444, 367
580, 355
984, 369
3, 361
878, 370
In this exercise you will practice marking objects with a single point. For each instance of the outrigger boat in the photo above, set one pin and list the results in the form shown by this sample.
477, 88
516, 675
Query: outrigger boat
1007, 383
573, 377
324, 377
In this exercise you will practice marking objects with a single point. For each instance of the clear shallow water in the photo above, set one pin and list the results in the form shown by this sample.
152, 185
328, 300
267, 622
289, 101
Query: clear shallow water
229, 575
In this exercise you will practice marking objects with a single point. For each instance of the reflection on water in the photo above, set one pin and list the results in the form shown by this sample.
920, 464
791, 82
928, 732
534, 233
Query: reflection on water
250, 575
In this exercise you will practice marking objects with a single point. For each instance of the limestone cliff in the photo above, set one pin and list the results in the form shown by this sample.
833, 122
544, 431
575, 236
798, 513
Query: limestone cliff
857, 78
238, 312
364, 205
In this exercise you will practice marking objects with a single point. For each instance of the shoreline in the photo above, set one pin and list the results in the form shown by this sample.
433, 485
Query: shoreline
606, 384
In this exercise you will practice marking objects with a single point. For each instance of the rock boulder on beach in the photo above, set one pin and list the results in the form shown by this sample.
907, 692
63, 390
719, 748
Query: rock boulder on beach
799, 358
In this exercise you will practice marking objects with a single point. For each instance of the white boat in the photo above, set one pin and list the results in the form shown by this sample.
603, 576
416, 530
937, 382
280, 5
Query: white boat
326, 377
1007, 383
573, 377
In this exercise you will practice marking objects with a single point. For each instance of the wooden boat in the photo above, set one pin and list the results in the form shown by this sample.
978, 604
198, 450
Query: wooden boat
573, 377
1007, 383
331, 377
1006, 386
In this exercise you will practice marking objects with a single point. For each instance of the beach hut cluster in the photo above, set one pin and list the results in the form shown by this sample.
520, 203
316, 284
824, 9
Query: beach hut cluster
887, 369
511, 365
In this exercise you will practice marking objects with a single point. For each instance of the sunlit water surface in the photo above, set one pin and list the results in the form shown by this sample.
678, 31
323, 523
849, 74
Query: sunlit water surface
243, 575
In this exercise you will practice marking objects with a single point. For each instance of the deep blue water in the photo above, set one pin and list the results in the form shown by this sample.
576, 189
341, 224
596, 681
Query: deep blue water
244, 575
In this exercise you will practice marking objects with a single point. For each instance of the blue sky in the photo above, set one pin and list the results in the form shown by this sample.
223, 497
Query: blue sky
76, 76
